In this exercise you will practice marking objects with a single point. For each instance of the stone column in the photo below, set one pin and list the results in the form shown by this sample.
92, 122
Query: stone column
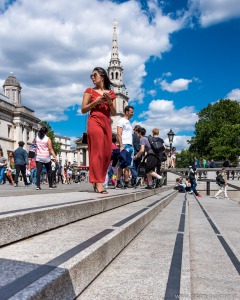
17, 134
24, 137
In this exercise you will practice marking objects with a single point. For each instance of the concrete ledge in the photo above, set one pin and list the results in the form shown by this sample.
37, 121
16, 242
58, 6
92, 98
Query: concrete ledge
15, 226
69, 279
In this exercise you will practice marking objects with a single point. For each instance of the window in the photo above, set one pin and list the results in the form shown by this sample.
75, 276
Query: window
9, 131
116, 75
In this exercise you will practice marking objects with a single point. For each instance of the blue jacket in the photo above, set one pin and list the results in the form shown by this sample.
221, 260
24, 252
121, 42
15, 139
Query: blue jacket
20, 157
125, 159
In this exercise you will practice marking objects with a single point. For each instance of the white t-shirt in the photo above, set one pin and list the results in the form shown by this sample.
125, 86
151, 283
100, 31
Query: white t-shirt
127, 131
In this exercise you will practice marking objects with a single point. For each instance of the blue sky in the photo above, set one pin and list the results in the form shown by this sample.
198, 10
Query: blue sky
177, 56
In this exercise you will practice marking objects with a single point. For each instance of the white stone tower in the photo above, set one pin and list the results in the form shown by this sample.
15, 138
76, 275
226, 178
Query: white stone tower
12, 89
115, 73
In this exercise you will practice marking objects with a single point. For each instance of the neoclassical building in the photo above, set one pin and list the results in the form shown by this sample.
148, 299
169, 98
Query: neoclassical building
115, 73
17, 122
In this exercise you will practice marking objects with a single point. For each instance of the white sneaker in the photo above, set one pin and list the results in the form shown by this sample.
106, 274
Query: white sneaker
216, 197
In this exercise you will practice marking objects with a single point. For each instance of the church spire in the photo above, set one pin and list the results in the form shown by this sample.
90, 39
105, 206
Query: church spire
115, 70
114, 55
115, 74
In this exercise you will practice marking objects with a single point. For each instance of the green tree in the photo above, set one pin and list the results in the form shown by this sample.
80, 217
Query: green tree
56, 145
217, 130
184, 159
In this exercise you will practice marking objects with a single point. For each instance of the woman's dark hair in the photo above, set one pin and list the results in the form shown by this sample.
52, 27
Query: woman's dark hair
42, 132
103, 73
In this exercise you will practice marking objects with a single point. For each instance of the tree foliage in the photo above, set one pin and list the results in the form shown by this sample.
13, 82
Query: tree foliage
184, 159
217, 131
56, 145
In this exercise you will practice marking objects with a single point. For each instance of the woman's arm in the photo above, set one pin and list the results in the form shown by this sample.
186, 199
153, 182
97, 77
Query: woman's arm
87, 105
51, 149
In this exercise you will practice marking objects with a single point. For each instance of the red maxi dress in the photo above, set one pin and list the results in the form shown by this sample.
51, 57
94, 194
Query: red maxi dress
99, 138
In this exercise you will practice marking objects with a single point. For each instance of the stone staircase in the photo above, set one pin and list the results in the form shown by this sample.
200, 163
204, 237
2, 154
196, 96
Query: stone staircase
53, 246
130, 244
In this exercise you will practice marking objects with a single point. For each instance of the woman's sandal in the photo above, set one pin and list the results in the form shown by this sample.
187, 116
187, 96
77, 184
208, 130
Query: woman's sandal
97, 191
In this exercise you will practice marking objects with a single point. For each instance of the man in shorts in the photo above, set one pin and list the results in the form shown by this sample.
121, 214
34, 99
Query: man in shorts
124, 136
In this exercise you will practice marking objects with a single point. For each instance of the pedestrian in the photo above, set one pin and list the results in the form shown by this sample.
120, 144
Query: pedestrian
204, 163
151, 159
59, 173
43, 156
21, 161
193, 181
159, 153
222, 182
173, 158
212, 164
33, 170
136, 162
3, 165
125, 140
11, 171
100, 101
54, 170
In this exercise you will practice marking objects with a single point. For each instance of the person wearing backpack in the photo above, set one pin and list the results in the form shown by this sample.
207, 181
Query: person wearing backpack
221, 180
151, 158
158, 147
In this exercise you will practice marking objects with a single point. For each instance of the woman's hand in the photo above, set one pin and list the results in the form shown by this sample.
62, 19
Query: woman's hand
100, 100
108, 98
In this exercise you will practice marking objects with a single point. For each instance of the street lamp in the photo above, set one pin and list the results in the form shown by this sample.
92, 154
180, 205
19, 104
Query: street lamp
170, 138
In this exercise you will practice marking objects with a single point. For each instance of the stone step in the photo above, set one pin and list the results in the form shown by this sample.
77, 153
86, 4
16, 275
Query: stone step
155, 265
61, 263
25, 216
189, 251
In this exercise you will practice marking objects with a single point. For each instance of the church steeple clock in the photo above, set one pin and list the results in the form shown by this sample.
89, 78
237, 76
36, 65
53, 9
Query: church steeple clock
115, 73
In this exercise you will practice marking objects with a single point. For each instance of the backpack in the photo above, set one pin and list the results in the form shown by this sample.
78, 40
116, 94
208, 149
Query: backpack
219, 179
156, 144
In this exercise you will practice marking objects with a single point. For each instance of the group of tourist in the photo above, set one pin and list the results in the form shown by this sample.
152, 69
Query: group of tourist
100, 101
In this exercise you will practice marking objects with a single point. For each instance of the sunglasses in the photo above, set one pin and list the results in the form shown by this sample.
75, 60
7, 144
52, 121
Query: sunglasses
94, 75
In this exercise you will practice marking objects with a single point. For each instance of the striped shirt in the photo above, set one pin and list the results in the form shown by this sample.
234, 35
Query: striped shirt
42, 153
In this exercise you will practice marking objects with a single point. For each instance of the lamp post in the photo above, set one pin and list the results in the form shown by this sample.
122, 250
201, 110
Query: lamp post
170, 138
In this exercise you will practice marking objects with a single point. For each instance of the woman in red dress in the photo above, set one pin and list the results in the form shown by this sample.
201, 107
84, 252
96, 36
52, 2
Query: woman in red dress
101, 102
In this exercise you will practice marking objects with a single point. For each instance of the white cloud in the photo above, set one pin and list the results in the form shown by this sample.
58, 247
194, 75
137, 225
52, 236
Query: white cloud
175, 86
152, 92
53, 46
214, 11
163, 115
234, 95
167, 74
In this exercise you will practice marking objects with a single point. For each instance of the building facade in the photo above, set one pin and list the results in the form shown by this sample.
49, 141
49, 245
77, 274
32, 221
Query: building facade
17, 122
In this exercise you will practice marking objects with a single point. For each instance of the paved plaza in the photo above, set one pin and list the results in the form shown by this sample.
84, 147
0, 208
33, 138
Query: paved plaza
72, 243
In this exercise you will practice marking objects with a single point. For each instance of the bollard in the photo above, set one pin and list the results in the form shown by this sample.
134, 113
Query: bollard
208, 188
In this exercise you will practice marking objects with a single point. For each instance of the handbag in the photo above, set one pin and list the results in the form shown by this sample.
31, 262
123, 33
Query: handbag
32, 149
84, 138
